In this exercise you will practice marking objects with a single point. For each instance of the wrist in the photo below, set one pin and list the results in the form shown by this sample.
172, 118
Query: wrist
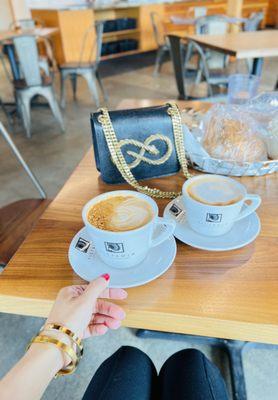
57, 357
47, 353
62, 337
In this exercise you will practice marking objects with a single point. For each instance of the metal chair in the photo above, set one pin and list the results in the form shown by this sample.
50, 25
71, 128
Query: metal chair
213, 25
25, 24
253, 22
212, 77
16, 152
179, 52
163, 46
87, 69
34, 83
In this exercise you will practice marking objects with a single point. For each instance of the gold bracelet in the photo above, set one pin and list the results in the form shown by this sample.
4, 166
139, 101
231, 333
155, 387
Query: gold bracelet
68, 332
62, 346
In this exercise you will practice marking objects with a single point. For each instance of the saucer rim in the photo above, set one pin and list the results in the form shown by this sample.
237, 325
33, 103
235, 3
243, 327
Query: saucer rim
172, 241
216, 249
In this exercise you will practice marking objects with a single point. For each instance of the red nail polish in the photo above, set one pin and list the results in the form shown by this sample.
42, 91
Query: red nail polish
106, 276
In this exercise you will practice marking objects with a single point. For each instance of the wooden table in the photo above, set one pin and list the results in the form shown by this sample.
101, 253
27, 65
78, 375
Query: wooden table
242, 45
44, 32
257, 44
230, 294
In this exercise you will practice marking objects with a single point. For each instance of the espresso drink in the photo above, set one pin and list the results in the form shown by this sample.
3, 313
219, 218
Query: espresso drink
120, 213
214, 191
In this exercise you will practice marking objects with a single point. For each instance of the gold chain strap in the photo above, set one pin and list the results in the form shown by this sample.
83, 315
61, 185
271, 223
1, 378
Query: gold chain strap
121, 164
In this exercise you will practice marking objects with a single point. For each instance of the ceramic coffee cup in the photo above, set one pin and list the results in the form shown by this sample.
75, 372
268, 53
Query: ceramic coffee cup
205, 214
127, 248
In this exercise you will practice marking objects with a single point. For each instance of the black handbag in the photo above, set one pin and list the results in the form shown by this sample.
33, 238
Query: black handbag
138, 144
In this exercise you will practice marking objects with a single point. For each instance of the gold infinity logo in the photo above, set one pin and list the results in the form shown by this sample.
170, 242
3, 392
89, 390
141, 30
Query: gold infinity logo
148, 147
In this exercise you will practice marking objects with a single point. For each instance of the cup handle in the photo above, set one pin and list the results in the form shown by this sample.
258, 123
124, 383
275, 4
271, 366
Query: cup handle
169, 227
255, 202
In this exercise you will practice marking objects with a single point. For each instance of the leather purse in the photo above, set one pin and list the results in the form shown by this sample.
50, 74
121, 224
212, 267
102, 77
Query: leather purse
138, 144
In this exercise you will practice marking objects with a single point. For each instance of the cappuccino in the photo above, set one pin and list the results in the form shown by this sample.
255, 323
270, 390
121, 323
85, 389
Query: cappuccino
120, 213
215, 191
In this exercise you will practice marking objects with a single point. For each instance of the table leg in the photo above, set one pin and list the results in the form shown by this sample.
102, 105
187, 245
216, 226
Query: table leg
234, 349
177, 53
257, 66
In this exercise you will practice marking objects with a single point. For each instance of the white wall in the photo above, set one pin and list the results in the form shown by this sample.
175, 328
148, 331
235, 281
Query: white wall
55, 3
6, 16
20, 9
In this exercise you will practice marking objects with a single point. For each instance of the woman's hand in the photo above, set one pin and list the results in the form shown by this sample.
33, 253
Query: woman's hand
82, 309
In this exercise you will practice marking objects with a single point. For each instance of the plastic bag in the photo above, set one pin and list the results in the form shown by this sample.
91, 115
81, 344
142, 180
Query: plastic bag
264, 109
231, 133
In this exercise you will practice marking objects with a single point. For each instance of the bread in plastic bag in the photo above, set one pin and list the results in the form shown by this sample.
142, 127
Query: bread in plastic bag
231, 134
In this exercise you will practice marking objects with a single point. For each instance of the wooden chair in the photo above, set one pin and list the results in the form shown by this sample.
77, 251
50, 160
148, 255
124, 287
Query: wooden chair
17, 219
87, 69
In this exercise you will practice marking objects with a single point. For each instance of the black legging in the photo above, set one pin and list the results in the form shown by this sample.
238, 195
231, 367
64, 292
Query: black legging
129, 374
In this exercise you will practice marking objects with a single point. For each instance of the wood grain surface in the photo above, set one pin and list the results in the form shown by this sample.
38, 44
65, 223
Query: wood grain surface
16, 221
230, 294
242, 44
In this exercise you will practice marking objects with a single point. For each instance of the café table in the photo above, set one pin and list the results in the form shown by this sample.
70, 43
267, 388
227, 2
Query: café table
242, 45
6, 35
229, 294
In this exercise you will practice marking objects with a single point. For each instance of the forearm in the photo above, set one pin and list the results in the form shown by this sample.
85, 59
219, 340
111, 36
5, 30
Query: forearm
32, 374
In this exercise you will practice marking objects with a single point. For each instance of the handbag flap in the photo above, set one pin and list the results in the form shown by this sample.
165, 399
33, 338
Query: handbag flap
146, 140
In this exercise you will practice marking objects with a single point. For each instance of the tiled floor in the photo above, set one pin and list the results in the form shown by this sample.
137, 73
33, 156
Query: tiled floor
53, 156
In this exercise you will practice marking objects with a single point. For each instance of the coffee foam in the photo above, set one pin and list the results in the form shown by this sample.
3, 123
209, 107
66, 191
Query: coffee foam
214, 191
120, 213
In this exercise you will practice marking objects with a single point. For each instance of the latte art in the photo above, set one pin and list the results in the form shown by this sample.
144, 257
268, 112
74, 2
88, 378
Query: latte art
120, 213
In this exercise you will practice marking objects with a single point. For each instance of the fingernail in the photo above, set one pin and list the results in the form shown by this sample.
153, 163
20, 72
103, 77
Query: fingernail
116, 325
122, 315
106, 276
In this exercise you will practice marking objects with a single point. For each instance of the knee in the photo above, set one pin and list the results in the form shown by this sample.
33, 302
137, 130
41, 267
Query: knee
135, 359
131, 352
187, 356
191, 354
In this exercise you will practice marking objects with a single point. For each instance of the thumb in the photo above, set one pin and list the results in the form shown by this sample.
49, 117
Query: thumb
97, 286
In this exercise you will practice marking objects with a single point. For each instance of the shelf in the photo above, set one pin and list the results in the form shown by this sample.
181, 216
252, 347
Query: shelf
123, 53
120, 33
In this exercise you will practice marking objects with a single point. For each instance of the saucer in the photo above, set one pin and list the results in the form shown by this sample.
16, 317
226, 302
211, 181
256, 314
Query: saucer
242, 233
86, 263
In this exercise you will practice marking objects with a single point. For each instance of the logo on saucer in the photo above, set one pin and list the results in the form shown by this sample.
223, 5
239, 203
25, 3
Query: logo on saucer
82, 245
214, 217
175, 210
114, 247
